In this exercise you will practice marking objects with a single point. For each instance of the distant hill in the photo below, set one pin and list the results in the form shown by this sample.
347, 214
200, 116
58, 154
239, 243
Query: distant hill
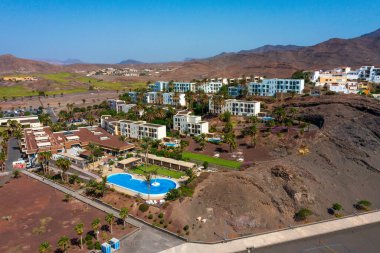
269, 60
267, 48
130, 61
59, 62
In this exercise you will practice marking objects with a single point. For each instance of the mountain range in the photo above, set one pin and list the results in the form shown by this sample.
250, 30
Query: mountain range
268, 60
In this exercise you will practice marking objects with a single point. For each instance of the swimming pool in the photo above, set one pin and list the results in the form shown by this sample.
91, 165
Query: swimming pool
214, 140
170, 144
159, 186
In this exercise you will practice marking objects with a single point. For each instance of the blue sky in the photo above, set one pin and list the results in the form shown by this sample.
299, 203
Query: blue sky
109, 31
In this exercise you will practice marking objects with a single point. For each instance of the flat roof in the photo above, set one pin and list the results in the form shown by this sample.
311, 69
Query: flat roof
172, 161
129, 160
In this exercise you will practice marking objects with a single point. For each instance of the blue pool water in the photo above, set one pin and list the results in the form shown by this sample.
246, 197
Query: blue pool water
170, 144
137, 185
266, 118
217, 140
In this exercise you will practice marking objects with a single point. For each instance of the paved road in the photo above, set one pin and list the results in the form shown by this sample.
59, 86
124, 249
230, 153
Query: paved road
14, 153
147, 240
363, 239
52, 114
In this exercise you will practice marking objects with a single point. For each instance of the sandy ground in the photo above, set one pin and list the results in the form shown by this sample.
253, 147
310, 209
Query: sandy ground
59, 102
38, 214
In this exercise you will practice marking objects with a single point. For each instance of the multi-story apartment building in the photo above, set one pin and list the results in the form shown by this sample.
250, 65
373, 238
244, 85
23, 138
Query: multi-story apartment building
119, 105
269, 87
235, 91
151, 97
25, 121
132, 129
189, 124
183, 87
331, 78
375, 75
211, 87
160, 86
236, 107
171, 98
142, 129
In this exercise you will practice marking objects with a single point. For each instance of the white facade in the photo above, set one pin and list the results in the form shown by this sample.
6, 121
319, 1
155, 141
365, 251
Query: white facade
169, 99
236, 107
119, 105
374, 75
183, 87
189, 124
347, 88
160, 86
269, 87
211, 87
141, 129
151, 97
31, 121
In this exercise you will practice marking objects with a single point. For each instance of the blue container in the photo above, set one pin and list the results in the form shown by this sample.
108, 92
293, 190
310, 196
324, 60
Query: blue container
115, 243
106, 248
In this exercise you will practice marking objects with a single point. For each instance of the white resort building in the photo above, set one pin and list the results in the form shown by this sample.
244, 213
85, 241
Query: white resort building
236, 107
170, 98
189, 124
211, 87
269, 87
119, 105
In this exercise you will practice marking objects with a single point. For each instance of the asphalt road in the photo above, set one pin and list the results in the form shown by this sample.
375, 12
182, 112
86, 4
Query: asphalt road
14, 153
364, 239
52, 114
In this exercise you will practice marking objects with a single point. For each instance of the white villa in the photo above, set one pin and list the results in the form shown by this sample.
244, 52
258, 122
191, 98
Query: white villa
189, 124
211, 87
119, 105
168, 98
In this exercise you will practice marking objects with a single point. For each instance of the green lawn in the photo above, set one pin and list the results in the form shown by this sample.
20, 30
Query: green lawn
211, 160
160, 171
16, 91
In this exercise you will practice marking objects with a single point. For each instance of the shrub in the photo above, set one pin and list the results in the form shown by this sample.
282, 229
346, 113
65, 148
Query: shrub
205, 165
363, 205
143, 207
186, 227
88, 237
162, 221
90, 245
97, 245
160, 215
150, 216
337, 207
302, 214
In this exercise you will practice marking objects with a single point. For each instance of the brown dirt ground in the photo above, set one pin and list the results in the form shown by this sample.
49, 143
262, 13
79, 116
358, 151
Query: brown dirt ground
30, 203
342, 166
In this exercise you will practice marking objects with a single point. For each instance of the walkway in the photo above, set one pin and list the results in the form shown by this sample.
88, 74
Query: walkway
274, 238
147, 240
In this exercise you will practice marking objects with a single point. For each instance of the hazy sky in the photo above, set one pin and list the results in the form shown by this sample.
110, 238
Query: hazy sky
110, 31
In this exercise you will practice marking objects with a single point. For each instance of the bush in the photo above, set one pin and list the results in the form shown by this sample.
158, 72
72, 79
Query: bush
150, 216
205, 165
143, 207
302, 214
97, 245
160, 215
173, 194
90, 245
337, 207
363, 205
186, 227
162, 221
88, 237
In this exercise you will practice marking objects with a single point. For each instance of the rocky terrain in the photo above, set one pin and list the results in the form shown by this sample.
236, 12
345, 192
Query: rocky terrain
342, 166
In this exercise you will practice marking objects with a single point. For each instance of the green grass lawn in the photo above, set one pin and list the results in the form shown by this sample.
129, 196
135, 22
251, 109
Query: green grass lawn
160, 171
211, 160
16, 91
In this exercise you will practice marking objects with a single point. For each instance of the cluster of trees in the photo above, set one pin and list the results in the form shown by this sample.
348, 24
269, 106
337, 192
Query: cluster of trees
64, 242
14, 129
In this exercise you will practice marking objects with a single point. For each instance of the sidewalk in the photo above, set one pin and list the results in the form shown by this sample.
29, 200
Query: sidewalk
278, 237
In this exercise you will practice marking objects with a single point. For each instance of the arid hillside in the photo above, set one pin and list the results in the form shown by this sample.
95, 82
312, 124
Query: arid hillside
271, 61
342, 166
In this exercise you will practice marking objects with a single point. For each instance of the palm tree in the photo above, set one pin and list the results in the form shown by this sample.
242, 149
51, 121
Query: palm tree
201, 140
146, 144
280, 114
43, 159
148, 180
160, 113
44, 247
229, 138
90, 119
79, 230
96, 226
63, 164
2, 160
64, 243
110, 220
252, 133
45, 119
124, 214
